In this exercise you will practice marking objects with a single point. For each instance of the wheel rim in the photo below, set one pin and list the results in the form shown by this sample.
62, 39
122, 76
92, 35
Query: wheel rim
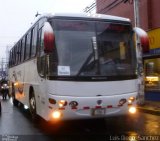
33, 106
33, 103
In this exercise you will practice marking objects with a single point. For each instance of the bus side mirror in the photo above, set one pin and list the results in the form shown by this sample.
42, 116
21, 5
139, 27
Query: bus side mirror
48, 38
144, 39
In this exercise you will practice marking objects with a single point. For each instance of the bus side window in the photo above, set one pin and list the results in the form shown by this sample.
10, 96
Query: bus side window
19, 52
14, 56
34, 41
41, 57
28, 45
23, 49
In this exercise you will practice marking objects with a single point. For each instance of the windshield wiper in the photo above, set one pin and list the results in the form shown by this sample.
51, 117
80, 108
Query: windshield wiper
85, 64
93, 54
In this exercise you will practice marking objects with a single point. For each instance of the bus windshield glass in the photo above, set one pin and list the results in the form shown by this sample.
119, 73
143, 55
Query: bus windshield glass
94, 48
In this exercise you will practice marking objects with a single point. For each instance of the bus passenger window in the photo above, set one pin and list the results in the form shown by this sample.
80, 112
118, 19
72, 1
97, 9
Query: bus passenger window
28, 45
23, 49
34, 42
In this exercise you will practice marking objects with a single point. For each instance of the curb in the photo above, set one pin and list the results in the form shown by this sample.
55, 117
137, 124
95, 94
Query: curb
150, 111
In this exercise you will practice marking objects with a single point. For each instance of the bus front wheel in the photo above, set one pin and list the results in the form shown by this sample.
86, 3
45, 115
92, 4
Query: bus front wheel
32, 103
14, 100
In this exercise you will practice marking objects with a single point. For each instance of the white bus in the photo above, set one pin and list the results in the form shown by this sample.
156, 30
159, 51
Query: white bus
69, 67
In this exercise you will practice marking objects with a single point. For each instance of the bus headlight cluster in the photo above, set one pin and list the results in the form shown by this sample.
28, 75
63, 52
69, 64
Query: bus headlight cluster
131, 100
62, 103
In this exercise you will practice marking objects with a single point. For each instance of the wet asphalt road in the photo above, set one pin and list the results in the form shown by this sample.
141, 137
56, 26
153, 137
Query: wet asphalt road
15, 124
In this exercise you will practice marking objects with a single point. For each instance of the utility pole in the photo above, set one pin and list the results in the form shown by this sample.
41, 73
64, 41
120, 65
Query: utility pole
136, 13
139, 56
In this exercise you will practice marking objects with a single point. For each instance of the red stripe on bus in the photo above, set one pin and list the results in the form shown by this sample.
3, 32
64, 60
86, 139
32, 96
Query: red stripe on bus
109, 106
86, 108
74, 108
98, 107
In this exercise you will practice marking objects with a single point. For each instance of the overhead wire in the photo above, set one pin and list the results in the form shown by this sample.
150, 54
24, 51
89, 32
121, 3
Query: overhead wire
114, 4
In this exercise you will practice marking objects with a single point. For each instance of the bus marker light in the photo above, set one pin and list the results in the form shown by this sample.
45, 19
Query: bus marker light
56, 114
132, 110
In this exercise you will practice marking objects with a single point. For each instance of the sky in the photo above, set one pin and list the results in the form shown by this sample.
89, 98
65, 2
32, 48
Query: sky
16, 16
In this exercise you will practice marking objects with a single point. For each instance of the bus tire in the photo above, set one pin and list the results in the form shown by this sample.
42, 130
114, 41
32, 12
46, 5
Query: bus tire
32, 105
15, 102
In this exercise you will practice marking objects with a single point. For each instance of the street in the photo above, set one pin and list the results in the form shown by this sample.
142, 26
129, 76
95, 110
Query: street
15, 123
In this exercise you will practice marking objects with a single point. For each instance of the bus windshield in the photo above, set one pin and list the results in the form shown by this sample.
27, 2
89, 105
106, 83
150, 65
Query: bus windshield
112, 53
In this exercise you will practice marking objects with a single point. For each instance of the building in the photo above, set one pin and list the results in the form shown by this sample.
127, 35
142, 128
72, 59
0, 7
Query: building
149, 20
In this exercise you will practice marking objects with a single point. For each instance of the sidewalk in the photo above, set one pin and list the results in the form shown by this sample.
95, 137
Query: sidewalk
151, 107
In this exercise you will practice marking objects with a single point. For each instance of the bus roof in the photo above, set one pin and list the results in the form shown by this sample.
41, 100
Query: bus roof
88, 16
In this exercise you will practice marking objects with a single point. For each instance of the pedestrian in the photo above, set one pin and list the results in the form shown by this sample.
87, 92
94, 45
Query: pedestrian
4, 91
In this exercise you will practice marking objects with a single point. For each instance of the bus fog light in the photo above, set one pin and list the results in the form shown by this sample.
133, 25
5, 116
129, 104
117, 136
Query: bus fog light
56, 114
132, 110
62, 103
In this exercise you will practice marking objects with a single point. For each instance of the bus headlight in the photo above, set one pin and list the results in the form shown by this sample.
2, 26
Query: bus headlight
132, 110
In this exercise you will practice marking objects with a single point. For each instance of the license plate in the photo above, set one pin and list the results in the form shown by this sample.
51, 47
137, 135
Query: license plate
98, 112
